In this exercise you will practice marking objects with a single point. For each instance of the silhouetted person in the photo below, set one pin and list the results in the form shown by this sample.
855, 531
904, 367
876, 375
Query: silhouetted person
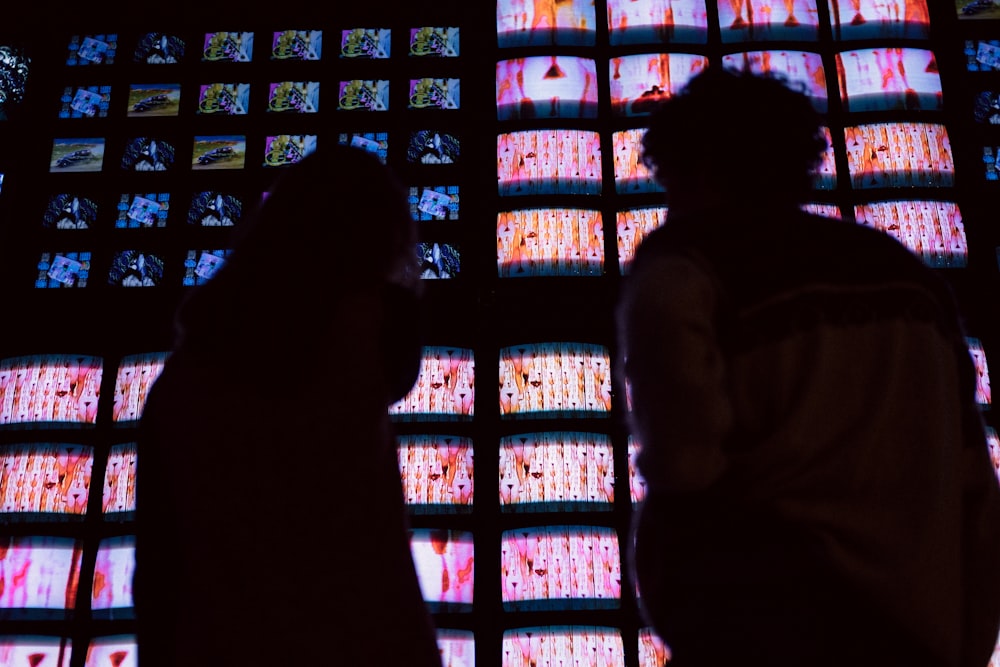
819, 488
272, 525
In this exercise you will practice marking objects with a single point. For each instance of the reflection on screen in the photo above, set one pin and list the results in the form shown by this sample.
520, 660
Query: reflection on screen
550, 242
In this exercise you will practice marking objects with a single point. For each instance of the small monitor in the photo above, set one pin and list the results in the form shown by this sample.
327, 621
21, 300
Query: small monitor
899, 154
293, 97
433, 147
111, 592
44, 481
563, 23
136, 268
226, 151
145, 154
640, 82
224, 99
439, 261
92, 49
554, 379
282, 150
297, 45
556, 471
70, 211
437, 473
753, 21
363, 95
657, 22
232, 47
571, 644
154, 99
876, 19
75, 155
376, 143
890, 78
932, 230
434, 202
546, 87
201, 265
50, 389
445, 562
366, 43
213, 208
158, 48
550, 242
118, 502
982, 55
39, 576
431, 93
552, 161
61, 269
444, 390
85, 102
434, 42
143, 211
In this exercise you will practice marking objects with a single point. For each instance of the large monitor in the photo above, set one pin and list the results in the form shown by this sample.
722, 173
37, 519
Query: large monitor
546, 87
50, 390
44, 481
554, 379
551, 161
550, 242
444, 390
445, 562
556, 471
437, 473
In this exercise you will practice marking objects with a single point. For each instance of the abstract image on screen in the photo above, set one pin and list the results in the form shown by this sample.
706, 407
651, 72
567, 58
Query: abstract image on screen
554, 380
236, 47
550, 242
364, 95
876, 19
889, 79
38, 577
366, 43
147, 154
438, 261
225, 99
69, 211
96, 49
563, 644
376, 143
893, 155
653, 651
444, 390
555, 161
293, 97
982, 55
803, 70
143, 211
639, 82
136, 375
631, 174
157, 48
83, 101
435, 94
432, 147
69, 155
560, 567
445, 562
58, 270
434, 41
201, 265
116, 650
546, 23
984, 393
546, 87
556, 471
215, 209
434, 202
933, 230
160, 99
111, 593
134, 268
32, 649
437, 473
632, 226
758, 20
119, 481
44, 478
297, 45
657, 22
219, 152
991, 166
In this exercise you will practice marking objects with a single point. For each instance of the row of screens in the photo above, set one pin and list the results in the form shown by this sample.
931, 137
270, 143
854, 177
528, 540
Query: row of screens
536, 380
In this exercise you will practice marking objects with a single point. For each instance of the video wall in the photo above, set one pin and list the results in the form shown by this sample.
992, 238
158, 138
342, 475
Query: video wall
137, 152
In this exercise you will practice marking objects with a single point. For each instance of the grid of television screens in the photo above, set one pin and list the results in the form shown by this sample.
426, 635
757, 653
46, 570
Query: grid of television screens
160, 143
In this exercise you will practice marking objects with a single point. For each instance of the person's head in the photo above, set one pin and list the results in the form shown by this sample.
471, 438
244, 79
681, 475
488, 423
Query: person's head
734, 135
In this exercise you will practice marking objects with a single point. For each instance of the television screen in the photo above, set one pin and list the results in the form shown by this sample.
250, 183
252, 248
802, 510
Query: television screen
878, 19
439, 261
154, 99
364, 95
135, 268
554, 161
434, 41
758, 20
889, 79
632, 226
148, 154
657, 22
62, 269
434, 94
982, 55
445, 561
293, 97
458, 648
72, 155
653, 652
297, 45
84, 101
96, 49
560, 567
115, 651
119, 481
236, 47
990, 166
984, 395
550, 242
69, 211
111, 593
15, 68
987, 107
50, 389
565, 644
224, 99
640, 82
215, 209
40, 480
376, 143
35, 651
366, 43
433, 147
136, 375
631, 174
140, 211
802, 69
825, 176
157, 48
636, 482
546, 87
556, 471
201, 265
437, 473
444, 390
39, 576
931, 229
434, 202
557, 23
559, 379
823, 209
227, 151
894, 155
